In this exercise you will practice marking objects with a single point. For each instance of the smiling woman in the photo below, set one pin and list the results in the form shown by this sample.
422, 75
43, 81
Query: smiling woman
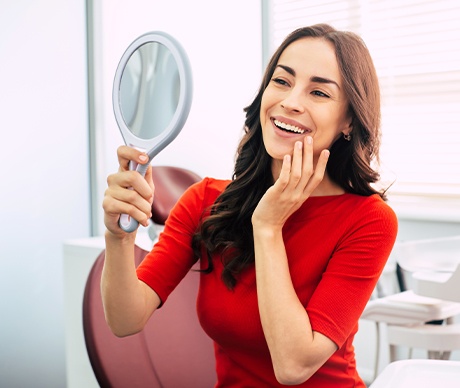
291, 248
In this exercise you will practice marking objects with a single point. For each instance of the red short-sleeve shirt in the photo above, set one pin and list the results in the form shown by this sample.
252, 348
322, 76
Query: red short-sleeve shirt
337, 247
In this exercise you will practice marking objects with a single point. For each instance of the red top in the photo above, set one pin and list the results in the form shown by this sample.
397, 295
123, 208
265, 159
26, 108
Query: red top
337, 247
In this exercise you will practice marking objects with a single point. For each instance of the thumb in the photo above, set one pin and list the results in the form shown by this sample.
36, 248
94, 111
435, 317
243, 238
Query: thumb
149, 178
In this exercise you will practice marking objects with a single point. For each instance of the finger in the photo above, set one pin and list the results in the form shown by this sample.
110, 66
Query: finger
114, 207
126, 154
131, 196
319, 172
296, 167
149, 179
113, 212
321, 165
283, 179
131, 180
123, 201
307, 162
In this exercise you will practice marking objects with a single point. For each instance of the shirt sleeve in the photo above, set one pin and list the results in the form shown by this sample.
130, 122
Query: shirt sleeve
172, 256
353, 271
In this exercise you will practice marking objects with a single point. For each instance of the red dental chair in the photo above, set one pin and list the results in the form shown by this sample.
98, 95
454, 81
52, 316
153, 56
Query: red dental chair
172, 351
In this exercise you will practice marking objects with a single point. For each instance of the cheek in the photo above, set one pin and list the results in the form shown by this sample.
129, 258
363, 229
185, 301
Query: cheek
263, 109
267, 102
325, 138
332, 123
327, 135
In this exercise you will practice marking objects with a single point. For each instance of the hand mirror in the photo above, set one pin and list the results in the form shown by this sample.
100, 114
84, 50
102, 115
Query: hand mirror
152, 95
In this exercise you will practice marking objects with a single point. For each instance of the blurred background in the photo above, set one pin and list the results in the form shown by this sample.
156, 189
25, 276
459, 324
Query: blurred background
59, 144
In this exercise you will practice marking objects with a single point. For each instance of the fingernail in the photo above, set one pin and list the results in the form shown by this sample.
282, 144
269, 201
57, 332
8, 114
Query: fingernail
299, 145
143, 158
309, 139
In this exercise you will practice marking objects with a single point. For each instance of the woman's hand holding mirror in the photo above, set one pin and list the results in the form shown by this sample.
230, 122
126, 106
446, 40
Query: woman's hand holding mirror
137, 202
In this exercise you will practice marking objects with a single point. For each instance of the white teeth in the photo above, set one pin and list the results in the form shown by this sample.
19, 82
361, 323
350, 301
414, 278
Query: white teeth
288, 127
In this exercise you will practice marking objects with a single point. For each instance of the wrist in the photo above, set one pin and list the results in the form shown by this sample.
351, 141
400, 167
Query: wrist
121, 238
267, 231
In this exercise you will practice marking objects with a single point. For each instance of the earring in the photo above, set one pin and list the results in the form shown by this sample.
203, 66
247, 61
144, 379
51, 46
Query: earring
347, 137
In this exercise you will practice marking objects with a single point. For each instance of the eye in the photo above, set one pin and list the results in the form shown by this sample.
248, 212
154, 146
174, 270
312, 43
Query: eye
320, 94
280, 81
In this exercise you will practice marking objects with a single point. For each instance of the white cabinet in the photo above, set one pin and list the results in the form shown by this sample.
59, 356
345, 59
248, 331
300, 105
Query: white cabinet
79, 256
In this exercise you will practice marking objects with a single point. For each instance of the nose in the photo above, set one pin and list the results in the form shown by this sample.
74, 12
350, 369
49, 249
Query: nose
294, 102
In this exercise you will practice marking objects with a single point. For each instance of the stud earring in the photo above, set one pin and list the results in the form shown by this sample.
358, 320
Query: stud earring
347, 137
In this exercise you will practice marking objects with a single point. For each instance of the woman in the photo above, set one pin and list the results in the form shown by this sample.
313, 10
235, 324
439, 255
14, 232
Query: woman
292, 248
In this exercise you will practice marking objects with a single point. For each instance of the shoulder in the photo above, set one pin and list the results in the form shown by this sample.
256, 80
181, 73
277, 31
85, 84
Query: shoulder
353, 213
373, 205
210, 186
215, 185
372, 213
351, 206
205, 191
195, 203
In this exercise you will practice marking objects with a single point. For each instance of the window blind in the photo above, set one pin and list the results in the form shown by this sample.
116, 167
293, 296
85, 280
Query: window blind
415, 45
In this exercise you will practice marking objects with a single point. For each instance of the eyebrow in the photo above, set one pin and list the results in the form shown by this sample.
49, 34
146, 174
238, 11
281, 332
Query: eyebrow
314, 78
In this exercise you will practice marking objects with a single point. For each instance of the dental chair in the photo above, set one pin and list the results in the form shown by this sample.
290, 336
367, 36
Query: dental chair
435, 267
412, 320
172, 350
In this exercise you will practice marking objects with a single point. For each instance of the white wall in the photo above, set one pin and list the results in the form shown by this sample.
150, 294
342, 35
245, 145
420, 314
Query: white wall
44, 196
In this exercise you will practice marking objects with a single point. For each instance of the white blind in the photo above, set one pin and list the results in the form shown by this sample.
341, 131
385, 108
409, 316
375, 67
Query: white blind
415, 45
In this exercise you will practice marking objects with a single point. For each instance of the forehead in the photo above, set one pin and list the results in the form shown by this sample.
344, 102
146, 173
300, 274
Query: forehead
312, 56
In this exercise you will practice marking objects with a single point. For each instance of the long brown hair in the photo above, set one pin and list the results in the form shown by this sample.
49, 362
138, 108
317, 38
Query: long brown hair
227, 232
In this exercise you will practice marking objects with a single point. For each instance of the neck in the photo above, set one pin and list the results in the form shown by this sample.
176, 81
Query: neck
327, 187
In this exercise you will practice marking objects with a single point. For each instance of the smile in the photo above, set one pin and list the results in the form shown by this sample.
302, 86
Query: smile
288, 127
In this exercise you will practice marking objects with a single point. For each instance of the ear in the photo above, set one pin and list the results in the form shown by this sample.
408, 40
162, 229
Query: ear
348, 127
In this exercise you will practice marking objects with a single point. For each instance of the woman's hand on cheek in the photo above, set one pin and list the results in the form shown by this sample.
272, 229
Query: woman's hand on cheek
298, 179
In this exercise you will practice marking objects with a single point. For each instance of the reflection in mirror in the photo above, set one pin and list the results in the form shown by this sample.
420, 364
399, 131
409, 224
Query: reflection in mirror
149, 90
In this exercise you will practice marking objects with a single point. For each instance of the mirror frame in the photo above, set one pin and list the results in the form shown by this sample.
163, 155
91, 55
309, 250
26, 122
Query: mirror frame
156, 144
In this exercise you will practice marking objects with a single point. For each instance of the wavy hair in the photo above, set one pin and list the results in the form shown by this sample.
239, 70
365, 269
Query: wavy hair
227, 232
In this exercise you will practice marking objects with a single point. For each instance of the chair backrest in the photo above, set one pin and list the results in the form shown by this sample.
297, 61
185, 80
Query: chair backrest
172, 350
170, 184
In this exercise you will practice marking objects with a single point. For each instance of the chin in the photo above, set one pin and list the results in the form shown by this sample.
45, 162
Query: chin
277, 150
278, 153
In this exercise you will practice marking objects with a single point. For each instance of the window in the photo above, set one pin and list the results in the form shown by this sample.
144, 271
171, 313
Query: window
415, 45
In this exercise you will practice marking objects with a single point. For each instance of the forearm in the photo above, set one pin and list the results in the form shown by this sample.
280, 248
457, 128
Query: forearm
285, 322
125, 299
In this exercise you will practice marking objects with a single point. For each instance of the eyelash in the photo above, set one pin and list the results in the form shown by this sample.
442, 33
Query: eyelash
280, 81
320, 94
317, 93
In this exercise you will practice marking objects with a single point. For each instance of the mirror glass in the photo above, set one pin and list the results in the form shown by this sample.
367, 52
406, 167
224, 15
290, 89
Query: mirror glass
149, 90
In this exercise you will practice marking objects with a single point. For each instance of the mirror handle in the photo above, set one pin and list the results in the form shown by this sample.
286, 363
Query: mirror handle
126, 222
